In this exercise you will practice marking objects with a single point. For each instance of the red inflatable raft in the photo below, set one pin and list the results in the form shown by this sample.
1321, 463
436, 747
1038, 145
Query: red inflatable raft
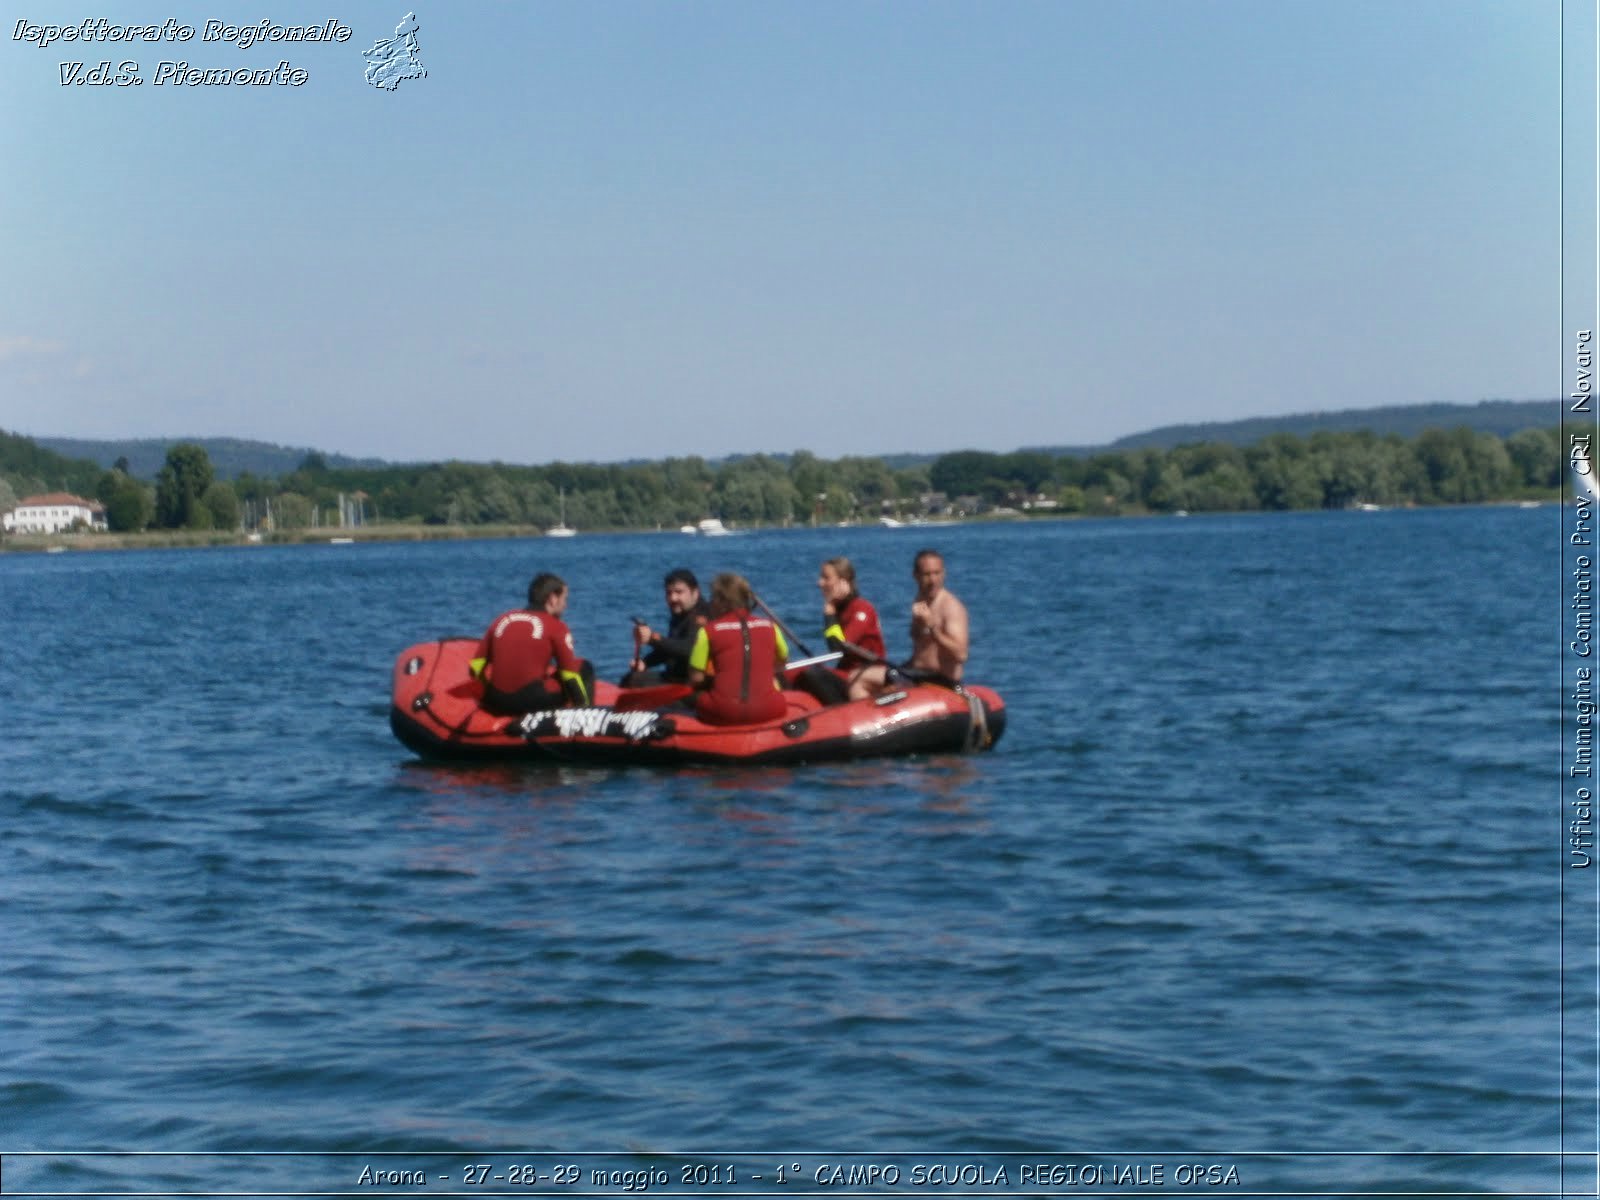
435, 712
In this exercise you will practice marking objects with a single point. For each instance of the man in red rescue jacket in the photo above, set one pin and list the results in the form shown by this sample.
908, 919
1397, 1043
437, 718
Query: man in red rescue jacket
527, 661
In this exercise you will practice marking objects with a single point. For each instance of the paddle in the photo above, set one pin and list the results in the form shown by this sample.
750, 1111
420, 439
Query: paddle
816, 660
778, 621
914, 674
636, 663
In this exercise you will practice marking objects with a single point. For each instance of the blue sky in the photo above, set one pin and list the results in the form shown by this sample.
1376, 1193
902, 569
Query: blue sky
608, 230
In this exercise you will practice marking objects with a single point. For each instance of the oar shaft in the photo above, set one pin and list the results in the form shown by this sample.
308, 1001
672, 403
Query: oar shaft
915, 674
778, 621
816, 660
866, 655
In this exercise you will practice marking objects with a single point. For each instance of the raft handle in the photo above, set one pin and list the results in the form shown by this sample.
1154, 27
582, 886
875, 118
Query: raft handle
978, 735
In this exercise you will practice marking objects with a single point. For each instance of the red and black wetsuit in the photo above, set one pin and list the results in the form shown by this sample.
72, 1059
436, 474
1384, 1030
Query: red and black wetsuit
856, 623
743, 652
530, 663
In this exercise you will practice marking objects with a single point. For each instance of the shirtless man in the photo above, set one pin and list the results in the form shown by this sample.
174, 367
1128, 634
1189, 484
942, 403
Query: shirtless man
938, 621
938, 631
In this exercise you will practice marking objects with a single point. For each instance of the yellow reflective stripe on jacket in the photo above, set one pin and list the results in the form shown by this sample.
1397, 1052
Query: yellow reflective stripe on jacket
476, 666
700, 652
574, 677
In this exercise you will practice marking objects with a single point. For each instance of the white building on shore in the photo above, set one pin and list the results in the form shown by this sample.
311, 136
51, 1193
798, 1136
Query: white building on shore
54, 512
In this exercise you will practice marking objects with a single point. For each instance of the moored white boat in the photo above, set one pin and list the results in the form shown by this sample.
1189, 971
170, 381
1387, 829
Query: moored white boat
561, 528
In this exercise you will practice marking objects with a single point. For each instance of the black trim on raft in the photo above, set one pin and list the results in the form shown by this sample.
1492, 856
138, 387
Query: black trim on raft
946, 734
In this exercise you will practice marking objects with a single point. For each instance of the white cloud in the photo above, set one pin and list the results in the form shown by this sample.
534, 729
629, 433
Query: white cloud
13, 346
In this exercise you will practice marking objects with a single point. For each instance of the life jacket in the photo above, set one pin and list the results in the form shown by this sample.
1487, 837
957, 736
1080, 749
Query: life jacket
856, 623
744, 651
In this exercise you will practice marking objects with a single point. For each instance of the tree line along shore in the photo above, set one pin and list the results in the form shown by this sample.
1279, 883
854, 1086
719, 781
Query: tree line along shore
188, 504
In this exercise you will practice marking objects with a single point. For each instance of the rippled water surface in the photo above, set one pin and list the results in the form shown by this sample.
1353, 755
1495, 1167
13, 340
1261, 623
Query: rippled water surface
1265, 861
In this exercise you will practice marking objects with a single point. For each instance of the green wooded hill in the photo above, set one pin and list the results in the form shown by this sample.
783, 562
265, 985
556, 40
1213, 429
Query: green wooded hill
1499, 417
37, 468
230, 457
1442, 464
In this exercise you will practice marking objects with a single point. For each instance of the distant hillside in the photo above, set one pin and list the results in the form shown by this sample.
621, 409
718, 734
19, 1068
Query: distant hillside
35, 467
230, 457
1499, 417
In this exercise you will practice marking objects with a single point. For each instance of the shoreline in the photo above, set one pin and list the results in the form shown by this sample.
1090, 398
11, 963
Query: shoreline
178, 539
181, 539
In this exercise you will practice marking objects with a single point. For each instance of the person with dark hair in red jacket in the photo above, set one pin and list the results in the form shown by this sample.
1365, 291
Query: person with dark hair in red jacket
526, 660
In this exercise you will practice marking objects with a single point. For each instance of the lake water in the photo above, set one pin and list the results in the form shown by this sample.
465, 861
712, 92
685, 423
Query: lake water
1265, 875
